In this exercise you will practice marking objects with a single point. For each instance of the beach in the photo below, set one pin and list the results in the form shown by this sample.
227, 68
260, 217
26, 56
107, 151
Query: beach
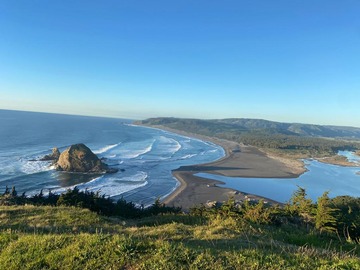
239, 161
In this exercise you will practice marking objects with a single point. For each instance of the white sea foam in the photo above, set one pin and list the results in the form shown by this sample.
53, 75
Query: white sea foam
81, 186
106, 148
134, 153
8, 167
116, 189
188, 156
170, 144
58, 190
110, 186
138, 177
172, 190
31, 167
177, 147
132, 125
141, 147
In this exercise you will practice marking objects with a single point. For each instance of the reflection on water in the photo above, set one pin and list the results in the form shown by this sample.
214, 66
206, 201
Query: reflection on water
320, 177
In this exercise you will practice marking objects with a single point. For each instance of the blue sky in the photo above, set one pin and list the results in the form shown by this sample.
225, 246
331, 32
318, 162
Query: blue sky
292, 61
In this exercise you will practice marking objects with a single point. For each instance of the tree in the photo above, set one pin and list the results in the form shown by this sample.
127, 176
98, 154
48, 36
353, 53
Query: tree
7, 191
348, 218
257, 213
325, 220
299, 204
13, 192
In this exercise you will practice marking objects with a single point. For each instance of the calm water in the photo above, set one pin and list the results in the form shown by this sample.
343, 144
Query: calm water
147, 155
320, 177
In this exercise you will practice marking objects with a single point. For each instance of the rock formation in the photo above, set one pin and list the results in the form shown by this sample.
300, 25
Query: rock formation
79, 158
54, 156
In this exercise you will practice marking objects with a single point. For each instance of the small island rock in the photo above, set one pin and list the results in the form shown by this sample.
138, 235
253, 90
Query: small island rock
79, 158
54, 156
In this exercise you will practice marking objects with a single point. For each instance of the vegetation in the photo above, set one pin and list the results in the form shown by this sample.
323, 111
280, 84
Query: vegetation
325, 219
249, 235
93, 201
87, 230
298, 140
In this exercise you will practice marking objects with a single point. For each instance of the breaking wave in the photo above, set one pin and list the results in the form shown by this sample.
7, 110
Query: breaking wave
106, 148
144, 156
31, 167
110, 186
171, 145
134, 153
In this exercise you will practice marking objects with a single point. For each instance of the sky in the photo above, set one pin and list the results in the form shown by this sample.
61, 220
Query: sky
281, 60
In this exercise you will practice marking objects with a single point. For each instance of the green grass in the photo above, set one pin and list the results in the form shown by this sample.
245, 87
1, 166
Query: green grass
72, 238
47, 219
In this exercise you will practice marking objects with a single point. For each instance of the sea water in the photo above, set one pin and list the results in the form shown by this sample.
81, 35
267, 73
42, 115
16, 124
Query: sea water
144, 156
320, 177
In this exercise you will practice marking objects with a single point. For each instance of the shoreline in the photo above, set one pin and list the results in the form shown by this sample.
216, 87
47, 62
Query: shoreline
239, 161
289, 168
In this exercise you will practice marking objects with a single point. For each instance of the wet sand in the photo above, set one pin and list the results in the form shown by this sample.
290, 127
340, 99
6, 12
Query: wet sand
239, 161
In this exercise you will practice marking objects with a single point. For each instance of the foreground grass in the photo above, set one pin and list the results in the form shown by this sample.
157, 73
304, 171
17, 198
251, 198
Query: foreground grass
72, 238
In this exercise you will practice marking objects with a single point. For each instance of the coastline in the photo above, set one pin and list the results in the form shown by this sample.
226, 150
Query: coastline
239, 161
339, 161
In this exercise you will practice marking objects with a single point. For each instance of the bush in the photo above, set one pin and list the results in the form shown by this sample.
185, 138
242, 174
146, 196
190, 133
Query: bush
93, 201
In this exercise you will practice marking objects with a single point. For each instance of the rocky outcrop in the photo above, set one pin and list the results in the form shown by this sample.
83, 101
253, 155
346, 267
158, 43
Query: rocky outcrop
54, 156
79, 158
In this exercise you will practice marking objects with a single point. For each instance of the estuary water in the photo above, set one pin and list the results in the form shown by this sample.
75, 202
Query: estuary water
147, 155
320, 177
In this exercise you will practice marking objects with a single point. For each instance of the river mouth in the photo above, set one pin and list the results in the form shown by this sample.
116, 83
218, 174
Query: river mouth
320, 177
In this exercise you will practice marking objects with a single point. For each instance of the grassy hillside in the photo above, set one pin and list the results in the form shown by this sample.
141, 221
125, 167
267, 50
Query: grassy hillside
296, 128
265, 126
45, 237
295, 139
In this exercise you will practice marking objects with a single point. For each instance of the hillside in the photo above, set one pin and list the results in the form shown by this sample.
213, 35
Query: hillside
43, 237
296, 128
303, 140
56, 232
258, 125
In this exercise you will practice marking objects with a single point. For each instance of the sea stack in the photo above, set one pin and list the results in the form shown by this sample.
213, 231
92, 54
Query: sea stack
80, 159
54, 156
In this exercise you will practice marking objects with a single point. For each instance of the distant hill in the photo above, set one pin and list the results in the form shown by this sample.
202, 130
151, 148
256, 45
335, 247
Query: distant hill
300, 140
257, 125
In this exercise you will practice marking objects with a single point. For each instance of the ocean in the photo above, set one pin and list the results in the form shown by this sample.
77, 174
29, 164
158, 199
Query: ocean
144, 156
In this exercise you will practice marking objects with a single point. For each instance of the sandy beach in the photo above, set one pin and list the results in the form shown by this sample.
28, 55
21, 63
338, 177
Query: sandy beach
239, 161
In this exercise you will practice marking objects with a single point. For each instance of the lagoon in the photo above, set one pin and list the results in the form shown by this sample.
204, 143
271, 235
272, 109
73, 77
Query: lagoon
320, 177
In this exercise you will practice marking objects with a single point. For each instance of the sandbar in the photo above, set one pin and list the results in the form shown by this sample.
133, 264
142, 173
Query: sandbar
239, 161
